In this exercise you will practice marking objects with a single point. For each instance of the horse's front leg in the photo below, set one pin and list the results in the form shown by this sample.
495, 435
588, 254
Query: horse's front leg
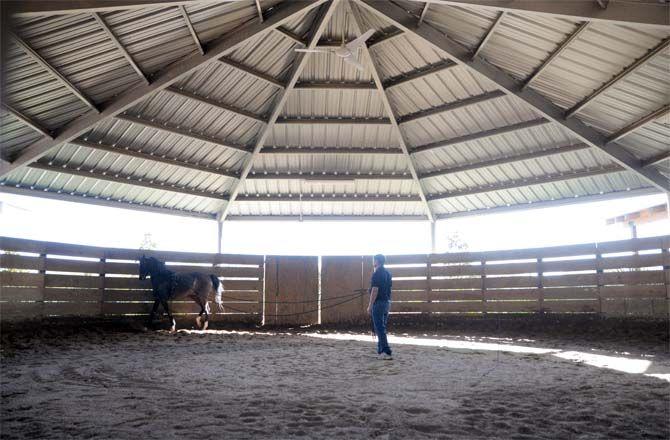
203, 309
167, 310
152, 315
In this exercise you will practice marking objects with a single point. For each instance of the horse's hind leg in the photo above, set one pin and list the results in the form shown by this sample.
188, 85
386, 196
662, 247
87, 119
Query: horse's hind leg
172, 321
204, 308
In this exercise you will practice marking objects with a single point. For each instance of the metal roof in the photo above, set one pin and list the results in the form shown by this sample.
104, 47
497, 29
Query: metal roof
125, 106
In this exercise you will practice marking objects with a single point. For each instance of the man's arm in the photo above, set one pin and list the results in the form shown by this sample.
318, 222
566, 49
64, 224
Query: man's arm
373, 297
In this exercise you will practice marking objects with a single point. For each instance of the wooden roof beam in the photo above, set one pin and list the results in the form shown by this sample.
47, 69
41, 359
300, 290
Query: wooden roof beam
334, 120
253, 72
191, 29
110, 34
331, 85
220, 105
489, 34
480, 135
126, 180
451, 106
365, 198
512, 158
100, 201
522, 183
274, 149
55, 73
26, 120
640, 14
181, 132
619, 77
329, 176
418, 73
160, 158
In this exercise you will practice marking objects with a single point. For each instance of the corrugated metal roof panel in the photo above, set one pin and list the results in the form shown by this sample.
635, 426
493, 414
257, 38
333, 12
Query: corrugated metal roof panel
228, 85
335, 104
200, 118
332, 135
342, 163
568, 189
69, 184
253, 208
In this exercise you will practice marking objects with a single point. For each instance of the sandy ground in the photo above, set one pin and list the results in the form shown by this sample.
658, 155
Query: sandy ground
233, 385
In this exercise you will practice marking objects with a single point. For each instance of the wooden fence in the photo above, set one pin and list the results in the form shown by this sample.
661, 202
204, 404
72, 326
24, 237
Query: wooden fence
55, 279
619, 278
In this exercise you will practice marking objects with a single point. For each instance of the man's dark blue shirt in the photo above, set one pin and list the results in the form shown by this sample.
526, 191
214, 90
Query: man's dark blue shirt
381, 279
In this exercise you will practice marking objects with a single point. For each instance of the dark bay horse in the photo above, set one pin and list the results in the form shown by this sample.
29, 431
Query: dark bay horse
169, 285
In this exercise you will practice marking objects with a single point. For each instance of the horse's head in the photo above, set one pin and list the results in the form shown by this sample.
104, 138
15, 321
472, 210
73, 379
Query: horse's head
144, 267
150, 266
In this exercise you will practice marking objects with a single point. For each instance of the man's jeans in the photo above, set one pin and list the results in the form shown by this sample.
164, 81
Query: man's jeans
380, 316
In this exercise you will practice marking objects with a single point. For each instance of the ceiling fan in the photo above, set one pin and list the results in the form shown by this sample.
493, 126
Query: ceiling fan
347, 51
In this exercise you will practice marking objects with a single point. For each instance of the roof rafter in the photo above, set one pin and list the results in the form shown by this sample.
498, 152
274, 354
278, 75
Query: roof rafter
101, 201
32, 8
473, 100
376, 218
26, 120
656, 159
333, 120
537, 102
521, 183
108, 31
329, 85
53, 71
480, 135
218, 48
273, 149
374, 70
512, 158
365, 198
419, 73
125, 151
191, 29
181, 132
489, 34
559, 50
323, 17
206, 100
552, 203
651, 14
327, 176
291, 36
619, 77
651, 117
126, 180
385, 38
253, 72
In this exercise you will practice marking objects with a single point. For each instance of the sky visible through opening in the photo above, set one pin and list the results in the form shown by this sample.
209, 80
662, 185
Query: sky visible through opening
50, 220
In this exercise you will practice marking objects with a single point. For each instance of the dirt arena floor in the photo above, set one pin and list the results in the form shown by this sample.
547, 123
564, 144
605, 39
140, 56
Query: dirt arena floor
102, 383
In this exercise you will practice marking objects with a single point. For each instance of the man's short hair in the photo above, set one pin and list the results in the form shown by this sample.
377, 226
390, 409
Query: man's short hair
379, 258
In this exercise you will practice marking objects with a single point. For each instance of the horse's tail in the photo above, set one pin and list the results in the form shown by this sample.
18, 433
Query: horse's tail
218, 287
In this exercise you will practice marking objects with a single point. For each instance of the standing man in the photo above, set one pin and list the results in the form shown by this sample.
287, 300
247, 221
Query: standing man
380, 304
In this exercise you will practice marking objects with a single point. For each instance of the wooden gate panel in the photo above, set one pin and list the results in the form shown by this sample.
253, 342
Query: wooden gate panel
294, 283
342, 276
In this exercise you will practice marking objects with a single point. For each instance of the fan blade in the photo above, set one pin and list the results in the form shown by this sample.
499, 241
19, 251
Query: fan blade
354, 62
360, 41
314, 50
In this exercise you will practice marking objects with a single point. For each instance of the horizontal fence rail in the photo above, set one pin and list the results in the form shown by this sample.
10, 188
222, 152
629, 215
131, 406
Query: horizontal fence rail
55, 279
618, 278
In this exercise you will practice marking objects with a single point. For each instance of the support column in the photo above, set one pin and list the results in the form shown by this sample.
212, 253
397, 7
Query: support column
219, 243
432, 237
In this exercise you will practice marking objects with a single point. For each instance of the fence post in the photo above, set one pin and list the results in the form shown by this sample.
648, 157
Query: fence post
666, 271
429, 284
483, 274
42, 281
599, 281
540, 286
101, 284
